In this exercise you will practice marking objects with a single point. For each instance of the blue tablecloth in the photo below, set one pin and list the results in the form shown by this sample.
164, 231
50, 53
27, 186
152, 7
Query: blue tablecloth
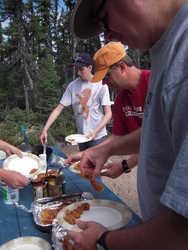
15, 222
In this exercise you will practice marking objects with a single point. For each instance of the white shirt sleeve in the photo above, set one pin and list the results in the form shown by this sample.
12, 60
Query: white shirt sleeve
105, 96
66, 99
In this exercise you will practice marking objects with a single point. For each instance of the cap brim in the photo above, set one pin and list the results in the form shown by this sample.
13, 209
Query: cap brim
99, 75
83, 25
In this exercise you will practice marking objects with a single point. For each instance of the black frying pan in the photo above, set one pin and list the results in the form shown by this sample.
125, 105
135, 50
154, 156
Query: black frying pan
37, 150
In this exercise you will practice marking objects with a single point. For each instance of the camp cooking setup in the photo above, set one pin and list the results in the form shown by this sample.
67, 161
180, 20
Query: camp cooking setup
54, 208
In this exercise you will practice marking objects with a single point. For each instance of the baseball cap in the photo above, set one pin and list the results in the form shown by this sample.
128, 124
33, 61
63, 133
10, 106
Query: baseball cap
82, 59
106, 56
83, 21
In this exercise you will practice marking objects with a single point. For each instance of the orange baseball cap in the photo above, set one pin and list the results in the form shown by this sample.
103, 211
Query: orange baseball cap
108, 55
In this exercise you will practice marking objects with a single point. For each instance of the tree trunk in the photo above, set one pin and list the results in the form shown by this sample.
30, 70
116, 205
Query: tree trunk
74, 44
26, 97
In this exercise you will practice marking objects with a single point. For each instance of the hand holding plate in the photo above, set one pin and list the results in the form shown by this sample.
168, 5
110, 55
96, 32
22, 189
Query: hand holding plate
87, 239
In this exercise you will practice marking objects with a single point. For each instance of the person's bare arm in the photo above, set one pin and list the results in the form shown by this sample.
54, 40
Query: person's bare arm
105, 120
73, 158
167, 231
53, 116
114, 169
10, 149
95, 157
13, 178
123, 145
132, 161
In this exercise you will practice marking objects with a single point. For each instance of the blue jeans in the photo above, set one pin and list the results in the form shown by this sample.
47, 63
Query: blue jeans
89, 144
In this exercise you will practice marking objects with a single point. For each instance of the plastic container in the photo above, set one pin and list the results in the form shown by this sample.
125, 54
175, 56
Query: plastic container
43, 158
9, 194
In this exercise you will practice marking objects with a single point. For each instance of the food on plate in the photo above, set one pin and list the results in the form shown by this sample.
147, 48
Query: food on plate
71, 215
48, 214
48, 211
33, 171
96, 186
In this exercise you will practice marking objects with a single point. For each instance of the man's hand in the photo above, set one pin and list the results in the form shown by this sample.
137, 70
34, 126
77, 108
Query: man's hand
10, 149
91, 135
43, 137
87, 239
13, 178
112, 169
93, 160
73, 158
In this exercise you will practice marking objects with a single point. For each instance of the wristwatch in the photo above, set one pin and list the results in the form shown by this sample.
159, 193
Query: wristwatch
102, 240
125, 167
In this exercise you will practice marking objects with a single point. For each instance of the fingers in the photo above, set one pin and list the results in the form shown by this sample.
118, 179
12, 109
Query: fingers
43, 138
82, 224
105, 172
73, 235
19, 153
97, 171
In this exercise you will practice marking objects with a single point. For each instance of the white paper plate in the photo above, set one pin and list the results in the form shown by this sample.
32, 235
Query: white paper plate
77, 171
73, 169
111, 214
74, 139
25, 164
2, 155
26, 243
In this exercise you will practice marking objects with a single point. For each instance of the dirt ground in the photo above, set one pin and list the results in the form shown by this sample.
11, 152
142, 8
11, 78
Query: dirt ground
124, 186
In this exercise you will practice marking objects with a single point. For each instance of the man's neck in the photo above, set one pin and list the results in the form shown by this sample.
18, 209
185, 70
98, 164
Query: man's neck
89, 77
167, 10
135, 79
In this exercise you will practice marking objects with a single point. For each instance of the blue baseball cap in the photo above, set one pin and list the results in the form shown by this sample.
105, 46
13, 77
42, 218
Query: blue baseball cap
82, 59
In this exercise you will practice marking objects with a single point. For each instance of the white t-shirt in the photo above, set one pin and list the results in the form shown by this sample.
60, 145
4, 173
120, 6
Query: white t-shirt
87, 100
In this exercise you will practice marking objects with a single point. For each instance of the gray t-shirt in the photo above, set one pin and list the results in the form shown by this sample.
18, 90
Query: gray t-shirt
87, 100
163, 159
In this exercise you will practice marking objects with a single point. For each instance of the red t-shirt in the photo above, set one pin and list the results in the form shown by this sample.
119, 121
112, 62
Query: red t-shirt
129, 107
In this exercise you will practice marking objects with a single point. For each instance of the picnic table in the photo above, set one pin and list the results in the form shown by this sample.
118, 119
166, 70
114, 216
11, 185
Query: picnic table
15, 222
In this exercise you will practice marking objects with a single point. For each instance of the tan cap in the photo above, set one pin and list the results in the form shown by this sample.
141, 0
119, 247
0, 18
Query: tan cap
108, 55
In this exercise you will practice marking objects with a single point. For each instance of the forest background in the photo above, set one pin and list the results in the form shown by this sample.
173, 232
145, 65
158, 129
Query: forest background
36, 50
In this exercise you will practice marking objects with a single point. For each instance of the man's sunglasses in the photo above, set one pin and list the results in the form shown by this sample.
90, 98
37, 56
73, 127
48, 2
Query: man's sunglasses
106, 79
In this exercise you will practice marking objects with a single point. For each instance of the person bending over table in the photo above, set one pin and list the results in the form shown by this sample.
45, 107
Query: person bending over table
90, 103
163, 142
117, 70
12, 178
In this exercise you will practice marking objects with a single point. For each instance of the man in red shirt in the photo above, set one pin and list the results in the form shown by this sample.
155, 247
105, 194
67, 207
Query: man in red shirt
115, 68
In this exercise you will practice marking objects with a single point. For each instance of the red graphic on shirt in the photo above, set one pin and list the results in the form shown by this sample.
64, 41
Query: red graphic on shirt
83, 100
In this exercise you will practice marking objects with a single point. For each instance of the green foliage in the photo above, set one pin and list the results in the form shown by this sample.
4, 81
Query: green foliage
36, 49
64, 125
140, 58
48, 86
10, 128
